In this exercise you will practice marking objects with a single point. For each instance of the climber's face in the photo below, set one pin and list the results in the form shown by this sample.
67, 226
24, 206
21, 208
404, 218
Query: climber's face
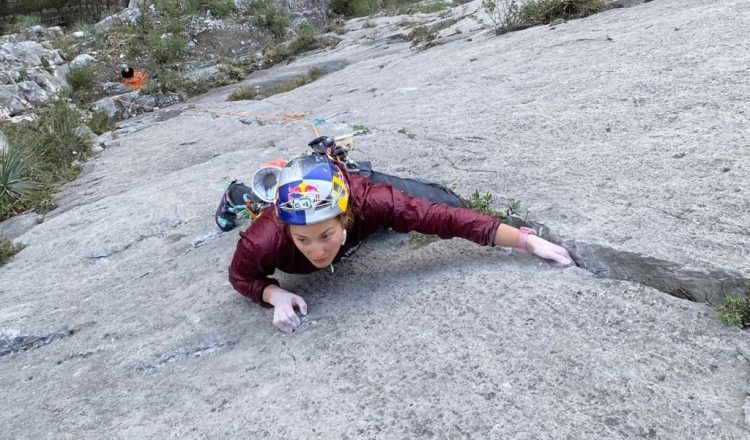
319, 242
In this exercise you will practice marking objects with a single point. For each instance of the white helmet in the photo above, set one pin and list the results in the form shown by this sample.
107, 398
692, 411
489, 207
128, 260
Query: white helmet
311, 190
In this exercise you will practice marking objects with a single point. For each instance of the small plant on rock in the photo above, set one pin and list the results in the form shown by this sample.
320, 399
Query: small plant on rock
735, 311
8, 249
16, 183
504, 14
269, 17
483, 204
545, 11
243, 93
81, 78
101, 122
27, 21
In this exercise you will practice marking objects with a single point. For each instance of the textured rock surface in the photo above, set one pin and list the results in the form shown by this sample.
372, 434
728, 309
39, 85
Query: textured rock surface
625, 133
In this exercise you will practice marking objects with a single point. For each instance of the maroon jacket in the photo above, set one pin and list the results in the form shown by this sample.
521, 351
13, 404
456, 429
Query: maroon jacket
265, 247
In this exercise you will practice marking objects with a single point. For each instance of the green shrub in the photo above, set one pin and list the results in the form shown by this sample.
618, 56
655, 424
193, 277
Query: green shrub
61, 145
250, 92
218, 8
16, 183
81, 77
504, 14
243, 93
173, 82
305, 40
426, 36
43, 157
483, 204
545, 11
337, 26
101, 122
509, 15
312, 75
735, 311
8, 249
354, 8
27, 21
269, 17
81, 25
165, 50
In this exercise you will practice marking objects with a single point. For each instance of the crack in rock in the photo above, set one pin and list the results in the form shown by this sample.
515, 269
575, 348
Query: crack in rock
12, 342
604, 262
183, 353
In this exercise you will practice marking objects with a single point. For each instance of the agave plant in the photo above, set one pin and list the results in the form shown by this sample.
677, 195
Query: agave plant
15, 184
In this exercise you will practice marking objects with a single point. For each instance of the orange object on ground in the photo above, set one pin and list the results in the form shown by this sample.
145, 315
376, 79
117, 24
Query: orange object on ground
139, 79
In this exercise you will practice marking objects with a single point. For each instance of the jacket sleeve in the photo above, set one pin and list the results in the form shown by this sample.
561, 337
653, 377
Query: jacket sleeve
405, 213
251, 266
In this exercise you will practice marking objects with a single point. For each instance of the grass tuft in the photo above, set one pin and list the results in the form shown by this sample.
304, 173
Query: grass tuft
101, 123
243, 93
510, 15
8, 249
483, 204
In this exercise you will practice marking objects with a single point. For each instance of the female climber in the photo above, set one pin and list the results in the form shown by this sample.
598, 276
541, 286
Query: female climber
322, 212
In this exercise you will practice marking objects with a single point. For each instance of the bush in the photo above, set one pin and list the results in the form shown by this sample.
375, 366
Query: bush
61, 145
250, 92
8, 249
27, 21
427, 35
173, 82
312, 75
545, 11
269, 17
243, 93
305, 40
735, 311
505, 15
101, 122
165, 50
354, 8
509, 15
218, 8
483, 204
81, 77
16, 184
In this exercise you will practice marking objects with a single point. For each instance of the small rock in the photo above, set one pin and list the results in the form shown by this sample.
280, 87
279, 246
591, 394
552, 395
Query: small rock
33, 93
10, 101
16, 226
53, 31
110, 106
104, 139
78, 34
130, 15
105, 25
85, 132
116, 88
37, 30
82, 60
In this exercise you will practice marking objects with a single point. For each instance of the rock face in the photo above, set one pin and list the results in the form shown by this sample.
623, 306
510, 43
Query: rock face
623, 134
28, 76
54, 12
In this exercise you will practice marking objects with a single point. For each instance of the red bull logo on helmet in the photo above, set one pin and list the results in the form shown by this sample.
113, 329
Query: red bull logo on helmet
303, 196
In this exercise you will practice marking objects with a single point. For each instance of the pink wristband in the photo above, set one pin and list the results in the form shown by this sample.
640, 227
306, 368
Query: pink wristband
523, 236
